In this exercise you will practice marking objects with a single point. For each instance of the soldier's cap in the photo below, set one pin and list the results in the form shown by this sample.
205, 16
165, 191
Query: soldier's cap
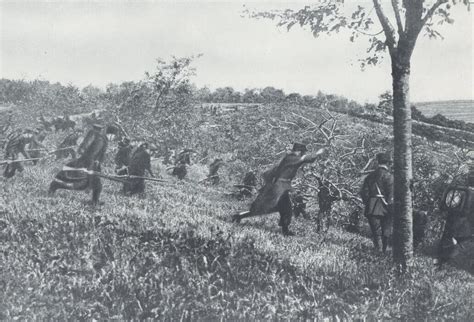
152, 146
384, 157
299, 147
218, 160
97, 126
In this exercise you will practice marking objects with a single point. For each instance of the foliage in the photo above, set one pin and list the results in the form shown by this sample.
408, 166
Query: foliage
42, 97
158, 108
334, 16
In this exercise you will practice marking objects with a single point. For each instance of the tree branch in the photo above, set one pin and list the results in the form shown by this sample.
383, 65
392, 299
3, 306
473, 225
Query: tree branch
431, 11
396, 9
386, 25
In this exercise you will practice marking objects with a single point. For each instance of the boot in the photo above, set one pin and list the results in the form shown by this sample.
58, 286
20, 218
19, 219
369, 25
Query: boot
384, 244
376, 240
236, 218
52, 188
286, 231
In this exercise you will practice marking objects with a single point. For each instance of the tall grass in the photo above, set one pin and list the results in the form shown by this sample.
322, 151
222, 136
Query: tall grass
175, 255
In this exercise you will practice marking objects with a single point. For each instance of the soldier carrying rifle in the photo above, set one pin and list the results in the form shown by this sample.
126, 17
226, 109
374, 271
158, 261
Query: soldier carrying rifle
274, 196
15, 146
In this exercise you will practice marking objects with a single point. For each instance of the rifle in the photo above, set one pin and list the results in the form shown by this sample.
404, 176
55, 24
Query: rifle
19, 160
54, 151
244, 186
139, 177
118, 178
208, 178
94, 173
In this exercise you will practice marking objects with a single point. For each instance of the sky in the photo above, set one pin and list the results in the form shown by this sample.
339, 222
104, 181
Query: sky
101, 42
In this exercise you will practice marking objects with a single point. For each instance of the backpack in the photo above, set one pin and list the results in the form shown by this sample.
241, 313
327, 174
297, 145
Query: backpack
377, 205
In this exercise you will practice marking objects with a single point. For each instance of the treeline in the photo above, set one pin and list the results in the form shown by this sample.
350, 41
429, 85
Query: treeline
44, 97
47, 97
266, 95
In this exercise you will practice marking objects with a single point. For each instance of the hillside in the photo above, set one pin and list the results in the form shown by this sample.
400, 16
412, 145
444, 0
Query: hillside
462, 110
176, 249
66, 261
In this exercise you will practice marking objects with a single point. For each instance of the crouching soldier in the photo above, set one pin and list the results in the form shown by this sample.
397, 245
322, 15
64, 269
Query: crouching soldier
35, 146
248, 186
183, 160
458, 206
274, 196
213, 176
139, 163
122, 158
299, 205
326, 198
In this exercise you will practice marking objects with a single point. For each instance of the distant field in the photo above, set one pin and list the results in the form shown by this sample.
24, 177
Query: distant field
456, 110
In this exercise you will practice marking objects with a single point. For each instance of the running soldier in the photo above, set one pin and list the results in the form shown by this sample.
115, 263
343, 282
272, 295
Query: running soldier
66, 147
274, 196
15, 146
92, 152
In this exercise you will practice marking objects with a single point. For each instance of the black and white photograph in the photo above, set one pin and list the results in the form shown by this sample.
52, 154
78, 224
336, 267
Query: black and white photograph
232, 160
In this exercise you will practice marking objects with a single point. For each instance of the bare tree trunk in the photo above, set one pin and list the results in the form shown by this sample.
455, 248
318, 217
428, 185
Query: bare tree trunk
403, 218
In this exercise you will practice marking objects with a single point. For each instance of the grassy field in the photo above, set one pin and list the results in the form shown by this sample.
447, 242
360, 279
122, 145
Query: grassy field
175, 255
458, 110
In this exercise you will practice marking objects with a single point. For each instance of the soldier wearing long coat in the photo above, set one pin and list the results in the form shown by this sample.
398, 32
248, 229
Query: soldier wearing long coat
274, 196
92, 153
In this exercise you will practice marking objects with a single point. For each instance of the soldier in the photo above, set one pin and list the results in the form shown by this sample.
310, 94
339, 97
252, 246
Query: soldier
122, 158
326, 198
36, 144
183, 160
46, 124
16, 145
92, 152
274, 196
458, 205
66, 147
248, 186
299, 208
139, 163
167, 155
213, 176
377, 195
353, 224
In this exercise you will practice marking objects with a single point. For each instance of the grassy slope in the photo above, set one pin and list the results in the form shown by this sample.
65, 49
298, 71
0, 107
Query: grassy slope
62, 259
56, 261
